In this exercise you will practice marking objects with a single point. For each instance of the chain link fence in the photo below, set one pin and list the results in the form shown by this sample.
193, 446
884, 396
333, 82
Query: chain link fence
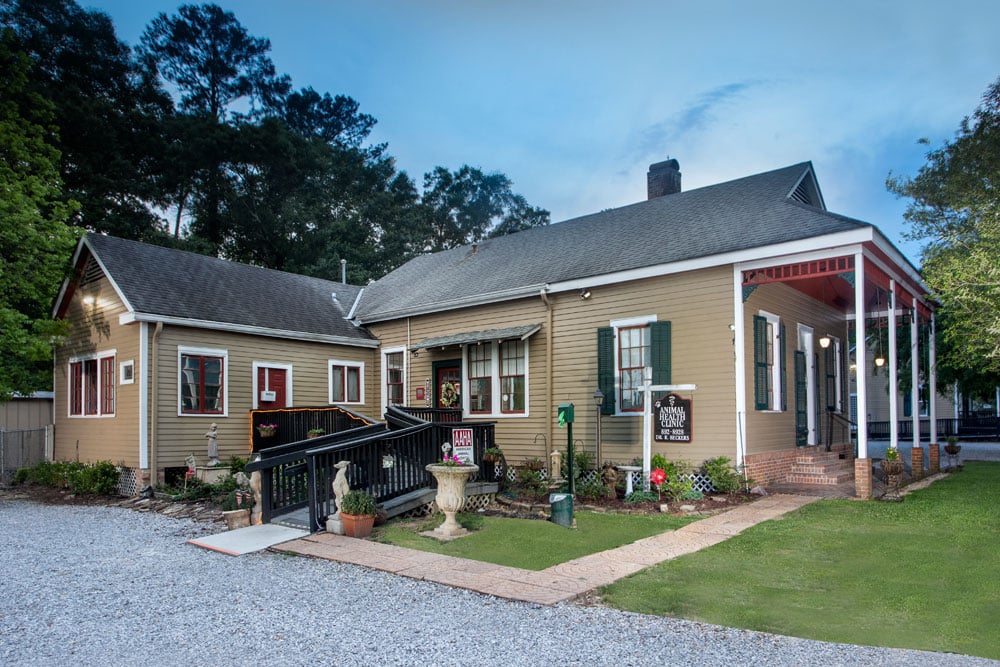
20, 448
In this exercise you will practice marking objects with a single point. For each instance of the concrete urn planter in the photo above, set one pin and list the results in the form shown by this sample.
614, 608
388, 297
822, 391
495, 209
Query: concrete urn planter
450, 497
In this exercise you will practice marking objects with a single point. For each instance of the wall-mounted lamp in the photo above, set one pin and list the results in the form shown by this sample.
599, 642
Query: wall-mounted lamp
824, 341
415, 352
89, 300
880, 361
585, 293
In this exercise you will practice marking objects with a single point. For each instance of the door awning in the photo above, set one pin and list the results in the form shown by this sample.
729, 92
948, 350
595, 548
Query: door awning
523, 332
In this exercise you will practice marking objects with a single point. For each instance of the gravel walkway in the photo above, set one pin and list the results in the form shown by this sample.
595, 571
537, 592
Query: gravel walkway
99, 585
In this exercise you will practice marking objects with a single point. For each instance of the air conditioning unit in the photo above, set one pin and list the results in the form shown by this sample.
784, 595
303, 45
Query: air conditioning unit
268, 396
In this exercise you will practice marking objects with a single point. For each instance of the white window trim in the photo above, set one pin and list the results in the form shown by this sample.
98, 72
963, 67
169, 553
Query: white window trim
130, 364
205, 352
776, 393
98, 356
361, 380
643, 320
384, 378
495, 411
257, 365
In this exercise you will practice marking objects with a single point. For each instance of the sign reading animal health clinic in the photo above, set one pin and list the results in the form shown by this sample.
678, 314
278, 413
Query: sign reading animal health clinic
672, 419
461, 440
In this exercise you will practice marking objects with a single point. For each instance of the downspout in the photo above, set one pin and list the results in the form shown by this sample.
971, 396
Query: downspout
154, 416
544, 294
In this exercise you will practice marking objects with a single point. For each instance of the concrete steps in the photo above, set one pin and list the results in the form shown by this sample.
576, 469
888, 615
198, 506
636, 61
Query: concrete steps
820, 467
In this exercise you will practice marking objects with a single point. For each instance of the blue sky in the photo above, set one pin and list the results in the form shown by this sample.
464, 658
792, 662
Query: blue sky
573, 99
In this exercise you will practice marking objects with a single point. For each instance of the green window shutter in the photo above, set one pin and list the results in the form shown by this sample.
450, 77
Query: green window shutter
801, 404
606, 368
760, 363
659, 351
831, 378
784, 374
907, 405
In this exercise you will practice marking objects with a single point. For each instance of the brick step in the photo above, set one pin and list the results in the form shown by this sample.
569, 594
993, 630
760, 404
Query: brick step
822, 457
829, 478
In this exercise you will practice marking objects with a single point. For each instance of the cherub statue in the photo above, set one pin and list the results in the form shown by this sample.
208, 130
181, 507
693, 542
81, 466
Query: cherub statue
340, 486
213, 444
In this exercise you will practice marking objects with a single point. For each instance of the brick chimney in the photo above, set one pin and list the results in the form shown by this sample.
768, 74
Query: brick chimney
664, 178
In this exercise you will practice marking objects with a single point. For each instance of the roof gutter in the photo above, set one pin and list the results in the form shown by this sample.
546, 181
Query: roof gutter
451, 304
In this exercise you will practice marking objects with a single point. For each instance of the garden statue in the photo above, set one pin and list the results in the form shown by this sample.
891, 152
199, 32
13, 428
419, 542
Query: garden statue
255, 513
340, 489
213, 444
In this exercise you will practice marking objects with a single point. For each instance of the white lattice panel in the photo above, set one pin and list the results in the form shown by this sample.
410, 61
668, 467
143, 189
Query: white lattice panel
128, 481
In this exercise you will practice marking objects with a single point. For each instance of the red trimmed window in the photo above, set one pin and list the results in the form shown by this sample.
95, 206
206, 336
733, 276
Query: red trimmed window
92, 387
512, 385
633, 357
394, 378
201, 384
480, 379
345, 384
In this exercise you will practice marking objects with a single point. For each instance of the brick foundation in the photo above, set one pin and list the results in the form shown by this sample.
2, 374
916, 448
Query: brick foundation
934, 456
863, 478
917, 463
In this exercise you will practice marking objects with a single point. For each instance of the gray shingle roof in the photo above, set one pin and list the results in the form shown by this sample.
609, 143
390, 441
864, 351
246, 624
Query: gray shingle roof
175, 284
746, 213
448, 340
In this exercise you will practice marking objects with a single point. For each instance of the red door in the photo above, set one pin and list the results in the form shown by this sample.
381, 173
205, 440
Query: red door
271, 388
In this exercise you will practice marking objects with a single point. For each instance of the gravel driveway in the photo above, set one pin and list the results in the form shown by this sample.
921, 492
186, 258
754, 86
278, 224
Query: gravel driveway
82, 585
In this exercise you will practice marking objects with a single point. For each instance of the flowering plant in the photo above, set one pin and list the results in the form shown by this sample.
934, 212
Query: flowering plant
451, 460
267, 429
657, 477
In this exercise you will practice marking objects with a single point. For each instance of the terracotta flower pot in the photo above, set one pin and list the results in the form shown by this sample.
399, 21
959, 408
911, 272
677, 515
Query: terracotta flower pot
357, 525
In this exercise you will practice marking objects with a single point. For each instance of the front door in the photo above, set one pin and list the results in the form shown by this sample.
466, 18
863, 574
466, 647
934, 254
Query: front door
448, 385
272, 388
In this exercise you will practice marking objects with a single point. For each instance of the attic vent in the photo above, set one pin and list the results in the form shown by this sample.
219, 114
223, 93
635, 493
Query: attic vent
805, 193
91, 273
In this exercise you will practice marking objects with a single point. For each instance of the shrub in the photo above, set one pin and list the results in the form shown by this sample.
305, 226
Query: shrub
358, 503
641, 497
658, 461
722, 475
237, 464
678, 485
530, 482
238, 500
591, 490
100, 478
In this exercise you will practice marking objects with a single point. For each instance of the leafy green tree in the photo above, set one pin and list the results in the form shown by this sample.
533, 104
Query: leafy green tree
108, 113
468, 205
35, 241
956, 209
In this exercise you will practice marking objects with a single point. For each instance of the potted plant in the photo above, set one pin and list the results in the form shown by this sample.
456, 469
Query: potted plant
357, 512
492, 455
267, 430
236, 509
534, 463
315, 432
952, 449
892, 466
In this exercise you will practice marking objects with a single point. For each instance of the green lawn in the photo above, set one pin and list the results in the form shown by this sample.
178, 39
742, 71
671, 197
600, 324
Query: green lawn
528, 544
922, 574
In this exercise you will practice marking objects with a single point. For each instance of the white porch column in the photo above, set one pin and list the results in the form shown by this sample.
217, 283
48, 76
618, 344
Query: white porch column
932, 379
739, 356
893, 377
915, 373
861, 354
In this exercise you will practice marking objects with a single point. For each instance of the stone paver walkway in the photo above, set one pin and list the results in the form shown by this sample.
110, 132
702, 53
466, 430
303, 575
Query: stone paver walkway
558, 583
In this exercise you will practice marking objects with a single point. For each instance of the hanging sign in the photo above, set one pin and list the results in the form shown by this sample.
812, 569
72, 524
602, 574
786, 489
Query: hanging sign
672, 419
461, 439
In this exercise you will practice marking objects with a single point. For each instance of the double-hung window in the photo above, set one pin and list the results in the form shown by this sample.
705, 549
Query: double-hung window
347, 381
92, 385
394, 390
202, 381
768, 362
496, 374
627, 351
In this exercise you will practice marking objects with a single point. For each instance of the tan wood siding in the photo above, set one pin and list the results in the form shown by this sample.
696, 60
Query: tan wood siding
699, 304
95, 329
178, 436
769, 431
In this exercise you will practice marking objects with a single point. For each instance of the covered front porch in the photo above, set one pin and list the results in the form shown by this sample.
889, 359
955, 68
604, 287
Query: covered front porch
881, 320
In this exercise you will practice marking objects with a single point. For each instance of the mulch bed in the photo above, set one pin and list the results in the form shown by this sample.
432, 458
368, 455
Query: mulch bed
512, 504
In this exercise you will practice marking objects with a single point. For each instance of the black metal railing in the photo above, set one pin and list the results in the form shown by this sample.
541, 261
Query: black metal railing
848, 429
971, 427
446, 415
386, 460
294, 424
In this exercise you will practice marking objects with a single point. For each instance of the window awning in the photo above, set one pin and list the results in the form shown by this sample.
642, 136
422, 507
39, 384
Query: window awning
523, 332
